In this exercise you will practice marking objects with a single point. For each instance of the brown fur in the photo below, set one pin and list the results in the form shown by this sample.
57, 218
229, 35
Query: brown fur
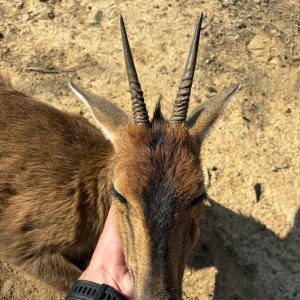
52, 169
162, 155
59, 175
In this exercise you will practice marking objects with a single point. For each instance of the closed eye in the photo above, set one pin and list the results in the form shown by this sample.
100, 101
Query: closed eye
117, 195
199, 199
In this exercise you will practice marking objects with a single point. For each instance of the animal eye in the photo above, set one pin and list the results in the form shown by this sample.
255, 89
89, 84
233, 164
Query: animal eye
199, 199
120, 197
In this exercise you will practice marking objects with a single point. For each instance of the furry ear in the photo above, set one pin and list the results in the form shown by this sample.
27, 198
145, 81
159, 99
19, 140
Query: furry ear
110, 118
203, 117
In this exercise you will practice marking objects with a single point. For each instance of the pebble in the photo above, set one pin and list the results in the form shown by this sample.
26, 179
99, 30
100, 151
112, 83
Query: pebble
94, 17
278, 168
288, 111
258, 191
51, 15
212, 90
21, 4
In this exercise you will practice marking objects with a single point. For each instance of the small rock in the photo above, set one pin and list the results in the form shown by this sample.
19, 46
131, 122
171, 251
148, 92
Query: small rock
246, 119
275, 169
21, 4
95, 17
163, 70
237, 36
258, 191
30, 16
210, 59
240, 24
212, 90
1, 36
288, 111
197, 99
51, 15
98, 16
278, 168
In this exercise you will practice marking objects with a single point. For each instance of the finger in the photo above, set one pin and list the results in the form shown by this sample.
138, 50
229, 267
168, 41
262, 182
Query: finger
111, 220
109, 244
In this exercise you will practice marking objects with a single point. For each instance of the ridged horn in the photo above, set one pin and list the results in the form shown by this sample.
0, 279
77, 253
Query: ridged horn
181, 105
140, 113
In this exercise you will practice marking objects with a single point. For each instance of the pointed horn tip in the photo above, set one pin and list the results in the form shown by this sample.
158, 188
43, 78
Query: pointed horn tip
123, 28
121, 21
200, 19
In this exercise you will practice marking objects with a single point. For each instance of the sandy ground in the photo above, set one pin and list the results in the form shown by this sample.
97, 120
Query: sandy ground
249, 248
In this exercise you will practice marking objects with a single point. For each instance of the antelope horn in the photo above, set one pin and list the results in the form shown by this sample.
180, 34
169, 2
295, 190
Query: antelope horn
140, 113
183, 96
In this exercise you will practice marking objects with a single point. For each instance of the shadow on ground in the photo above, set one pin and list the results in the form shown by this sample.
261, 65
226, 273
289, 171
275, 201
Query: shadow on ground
248, 256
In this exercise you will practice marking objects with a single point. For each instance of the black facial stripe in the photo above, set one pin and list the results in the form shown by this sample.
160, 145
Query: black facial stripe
159, 212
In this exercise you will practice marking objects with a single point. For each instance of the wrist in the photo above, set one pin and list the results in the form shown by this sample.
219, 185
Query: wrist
100, 277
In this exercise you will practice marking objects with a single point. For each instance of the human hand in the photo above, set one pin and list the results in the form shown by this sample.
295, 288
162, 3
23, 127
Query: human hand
108, 264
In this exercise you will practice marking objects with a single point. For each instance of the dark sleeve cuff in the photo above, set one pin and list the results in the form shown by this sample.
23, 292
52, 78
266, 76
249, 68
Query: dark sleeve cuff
88, 290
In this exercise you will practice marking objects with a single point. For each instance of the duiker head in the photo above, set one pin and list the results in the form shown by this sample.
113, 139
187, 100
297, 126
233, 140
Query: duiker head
158, 185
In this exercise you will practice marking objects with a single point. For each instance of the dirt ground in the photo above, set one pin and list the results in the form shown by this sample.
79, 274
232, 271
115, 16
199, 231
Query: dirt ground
250, 246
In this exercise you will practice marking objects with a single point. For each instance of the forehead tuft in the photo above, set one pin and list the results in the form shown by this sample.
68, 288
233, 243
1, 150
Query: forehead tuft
160, 157
161, 135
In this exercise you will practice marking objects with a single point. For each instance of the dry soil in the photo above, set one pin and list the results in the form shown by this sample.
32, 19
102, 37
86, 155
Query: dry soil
250, 244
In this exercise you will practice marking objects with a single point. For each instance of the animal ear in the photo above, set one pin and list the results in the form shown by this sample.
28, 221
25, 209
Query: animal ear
203, 117
110, 118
